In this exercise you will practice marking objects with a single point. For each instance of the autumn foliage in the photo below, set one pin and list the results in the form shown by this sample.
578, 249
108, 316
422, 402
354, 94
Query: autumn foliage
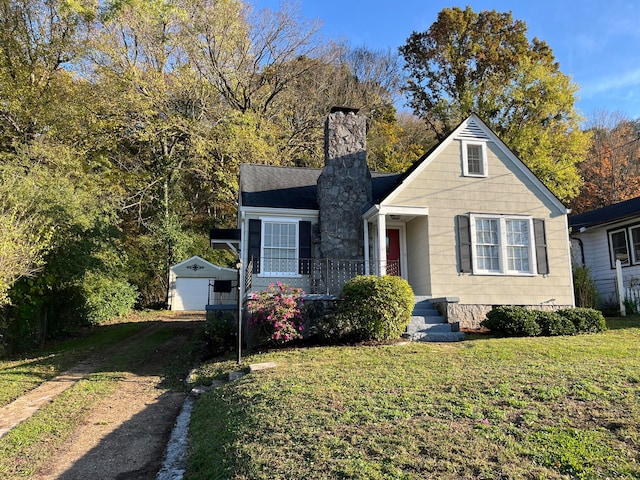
611, 171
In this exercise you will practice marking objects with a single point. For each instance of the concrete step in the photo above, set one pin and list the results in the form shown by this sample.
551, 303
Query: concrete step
425, 312
438, 336
427, 319
427, 325
432, 328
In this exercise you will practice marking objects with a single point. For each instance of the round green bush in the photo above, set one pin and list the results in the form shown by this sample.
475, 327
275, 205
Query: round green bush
586, 320
512, 321
375, 308
554, 324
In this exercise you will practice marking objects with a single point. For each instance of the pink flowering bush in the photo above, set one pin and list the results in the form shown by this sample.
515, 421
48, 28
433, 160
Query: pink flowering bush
276, 313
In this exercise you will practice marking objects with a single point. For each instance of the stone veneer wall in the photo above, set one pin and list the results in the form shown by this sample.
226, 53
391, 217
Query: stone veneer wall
344, 186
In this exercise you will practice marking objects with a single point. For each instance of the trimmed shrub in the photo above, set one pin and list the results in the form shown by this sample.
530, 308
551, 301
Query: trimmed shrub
553, 324
512, 321
374, 308
586, 320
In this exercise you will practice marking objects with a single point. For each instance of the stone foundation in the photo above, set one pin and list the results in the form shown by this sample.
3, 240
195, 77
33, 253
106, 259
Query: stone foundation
470, 315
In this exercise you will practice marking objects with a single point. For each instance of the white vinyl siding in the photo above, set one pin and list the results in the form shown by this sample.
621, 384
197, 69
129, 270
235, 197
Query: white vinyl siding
502, 245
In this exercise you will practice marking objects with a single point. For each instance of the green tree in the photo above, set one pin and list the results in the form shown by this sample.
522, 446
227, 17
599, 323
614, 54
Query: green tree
38, 38
484, 63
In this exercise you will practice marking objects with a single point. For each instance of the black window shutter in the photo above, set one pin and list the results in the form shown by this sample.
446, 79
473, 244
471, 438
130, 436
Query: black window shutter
255, 237
304, 247
541, 246
464, 242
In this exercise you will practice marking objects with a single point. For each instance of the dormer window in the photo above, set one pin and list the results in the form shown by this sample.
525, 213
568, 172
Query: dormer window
474, 159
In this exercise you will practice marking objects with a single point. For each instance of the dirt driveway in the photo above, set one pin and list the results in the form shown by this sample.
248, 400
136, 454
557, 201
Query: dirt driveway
125, 434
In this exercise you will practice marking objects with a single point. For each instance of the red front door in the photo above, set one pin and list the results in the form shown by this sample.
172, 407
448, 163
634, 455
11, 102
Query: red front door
393, 251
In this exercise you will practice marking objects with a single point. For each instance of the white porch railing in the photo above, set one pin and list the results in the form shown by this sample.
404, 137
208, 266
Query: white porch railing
632, 298
314, 276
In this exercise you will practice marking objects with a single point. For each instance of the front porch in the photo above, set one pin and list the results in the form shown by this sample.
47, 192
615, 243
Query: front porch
313, 276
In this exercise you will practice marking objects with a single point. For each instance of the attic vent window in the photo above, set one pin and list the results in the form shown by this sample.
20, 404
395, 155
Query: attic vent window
474, 159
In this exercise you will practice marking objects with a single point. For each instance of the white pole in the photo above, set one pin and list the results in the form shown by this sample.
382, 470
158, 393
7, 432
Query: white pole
366, 246
623, 310
382, 245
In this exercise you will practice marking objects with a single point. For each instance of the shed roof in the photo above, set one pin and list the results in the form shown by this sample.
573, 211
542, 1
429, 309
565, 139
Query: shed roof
609, 214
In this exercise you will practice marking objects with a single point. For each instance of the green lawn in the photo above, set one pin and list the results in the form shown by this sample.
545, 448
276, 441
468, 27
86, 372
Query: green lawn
561, 407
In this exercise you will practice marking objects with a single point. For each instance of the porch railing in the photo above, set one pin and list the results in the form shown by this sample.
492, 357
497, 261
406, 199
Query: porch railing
223, 292
314, 276
632, 298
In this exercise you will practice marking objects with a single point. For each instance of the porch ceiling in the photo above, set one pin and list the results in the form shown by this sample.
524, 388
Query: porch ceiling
396, 213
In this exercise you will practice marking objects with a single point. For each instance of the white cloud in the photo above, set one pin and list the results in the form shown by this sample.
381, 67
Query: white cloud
627, 80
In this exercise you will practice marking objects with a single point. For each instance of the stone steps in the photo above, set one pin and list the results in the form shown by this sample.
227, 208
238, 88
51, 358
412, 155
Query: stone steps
427, 325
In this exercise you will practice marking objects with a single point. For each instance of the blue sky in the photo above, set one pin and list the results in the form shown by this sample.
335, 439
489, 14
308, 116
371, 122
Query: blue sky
597, 42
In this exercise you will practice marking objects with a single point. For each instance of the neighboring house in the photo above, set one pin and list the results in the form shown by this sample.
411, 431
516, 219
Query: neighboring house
468, 225
601, 236
195, 283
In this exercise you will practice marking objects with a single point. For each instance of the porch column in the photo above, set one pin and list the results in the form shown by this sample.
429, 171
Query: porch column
382, 245
366, 246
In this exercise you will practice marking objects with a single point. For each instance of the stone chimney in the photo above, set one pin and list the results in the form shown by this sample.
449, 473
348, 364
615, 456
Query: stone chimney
344, 186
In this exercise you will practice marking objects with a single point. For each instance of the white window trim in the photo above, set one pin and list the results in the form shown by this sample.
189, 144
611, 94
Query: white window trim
626, 232
465, 159
265, 272
502, 252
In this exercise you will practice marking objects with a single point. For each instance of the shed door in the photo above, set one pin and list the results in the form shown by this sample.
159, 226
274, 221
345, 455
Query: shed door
191, 293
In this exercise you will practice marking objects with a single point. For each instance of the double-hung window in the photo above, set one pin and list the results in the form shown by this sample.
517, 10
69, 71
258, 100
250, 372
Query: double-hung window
635, 243
474, 159
279, 247
619, 247
518, 245
502, 245
487, 235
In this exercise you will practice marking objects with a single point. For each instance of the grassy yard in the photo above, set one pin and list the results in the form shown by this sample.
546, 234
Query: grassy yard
561, 407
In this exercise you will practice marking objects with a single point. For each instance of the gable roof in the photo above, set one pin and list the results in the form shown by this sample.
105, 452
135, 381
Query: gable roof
473, 128
198, 267
609, 214
294, 187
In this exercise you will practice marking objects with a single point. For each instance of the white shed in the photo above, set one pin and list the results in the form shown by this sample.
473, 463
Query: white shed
196, 283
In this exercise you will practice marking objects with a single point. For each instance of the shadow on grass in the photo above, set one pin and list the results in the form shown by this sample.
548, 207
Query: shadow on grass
621, 323
132, 451
165, 350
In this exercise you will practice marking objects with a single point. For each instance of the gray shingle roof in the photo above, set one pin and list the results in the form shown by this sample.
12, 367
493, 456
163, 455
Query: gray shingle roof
611, 213
294, 187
